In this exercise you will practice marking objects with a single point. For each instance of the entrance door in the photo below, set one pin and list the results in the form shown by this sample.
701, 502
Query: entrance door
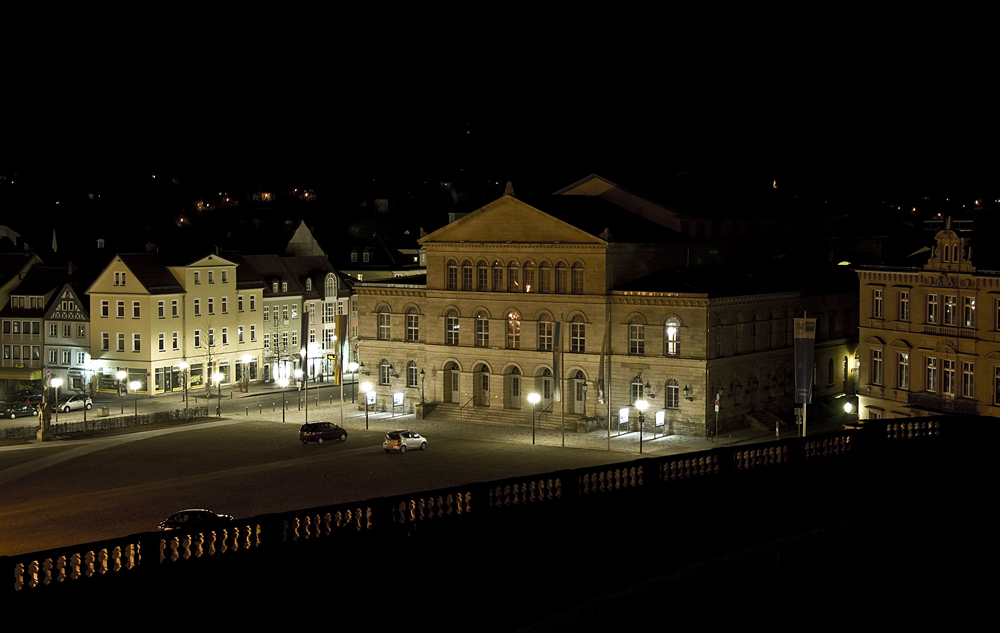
546, 391
579, 395
484, 387
515, 388
455, 395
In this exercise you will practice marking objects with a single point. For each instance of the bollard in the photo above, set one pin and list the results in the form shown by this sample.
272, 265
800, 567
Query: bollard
260, 409
248, 411
272, 407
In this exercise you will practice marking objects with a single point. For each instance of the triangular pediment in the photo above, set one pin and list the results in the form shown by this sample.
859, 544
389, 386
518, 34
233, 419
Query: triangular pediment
509, 220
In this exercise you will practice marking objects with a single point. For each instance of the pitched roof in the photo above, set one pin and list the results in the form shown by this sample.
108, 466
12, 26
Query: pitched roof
151, 271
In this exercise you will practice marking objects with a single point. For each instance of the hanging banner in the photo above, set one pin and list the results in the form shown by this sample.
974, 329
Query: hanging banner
600, 366
557, 362
805, 344
340, 324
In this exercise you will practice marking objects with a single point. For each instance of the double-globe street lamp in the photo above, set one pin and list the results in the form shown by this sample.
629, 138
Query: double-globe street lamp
134, 385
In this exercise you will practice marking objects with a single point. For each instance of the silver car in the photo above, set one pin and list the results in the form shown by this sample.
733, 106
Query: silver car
74, 403
401, 440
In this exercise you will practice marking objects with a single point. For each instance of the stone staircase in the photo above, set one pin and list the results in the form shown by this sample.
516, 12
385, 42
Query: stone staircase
765, 421
496, 415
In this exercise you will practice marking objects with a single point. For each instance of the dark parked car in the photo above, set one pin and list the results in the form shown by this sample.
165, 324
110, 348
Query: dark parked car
17, 408
32, 399
194, 518
320, 432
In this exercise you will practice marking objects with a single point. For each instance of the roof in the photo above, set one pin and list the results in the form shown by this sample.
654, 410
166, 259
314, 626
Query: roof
151, 271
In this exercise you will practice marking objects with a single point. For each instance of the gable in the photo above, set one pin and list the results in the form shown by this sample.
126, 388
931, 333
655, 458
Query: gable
509, 220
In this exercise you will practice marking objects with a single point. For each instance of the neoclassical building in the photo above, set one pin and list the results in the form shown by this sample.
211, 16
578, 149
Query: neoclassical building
930, 335
579, 307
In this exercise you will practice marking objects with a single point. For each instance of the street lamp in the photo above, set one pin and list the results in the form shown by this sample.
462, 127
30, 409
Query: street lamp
246, 373
366, 387
218, 383
533, 398
352, 367
284, 383
135, 384
422, 376
298, 384
121, 377
183, 366
641, 405
305, 360
56, 383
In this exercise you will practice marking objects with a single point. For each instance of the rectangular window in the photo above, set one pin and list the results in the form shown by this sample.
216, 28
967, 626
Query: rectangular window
161, 342
452, 283
173, 309
211, 305
239, 303
175, 336
932, 308
253, 333
104, 308
136, 342
969, 311
948, 377
197, 278
876, 303
135, 309
239, 334
451, 331
673, 399
121, 341
636, 339
267, 313
412, 327
197, 338
578, 337
950, 310
903, 367
267, 341
930, 383
545, 336
497, 279
211, 336
53, 330
253, 303
120, 305
904, 305
876, 376
197, 307
211, 277
225, 336
105, 341
225, 305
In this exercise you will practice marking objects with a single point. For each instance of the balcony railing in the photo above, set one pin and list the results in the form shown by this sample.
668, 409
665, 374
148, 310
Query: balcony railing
942, 404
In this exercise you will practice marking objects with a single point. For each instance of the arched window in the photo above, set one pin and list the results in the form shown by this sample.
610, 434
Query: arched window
637, 390
544, 278
562, 278
513, 330
482, 330
451, 328
330, 286
529, 277
497, 276
384, 322
452, 282
672, 393
672, 337
577, 273
467, 275
578, 335
412, 374
412, 325
482, 276
513, 279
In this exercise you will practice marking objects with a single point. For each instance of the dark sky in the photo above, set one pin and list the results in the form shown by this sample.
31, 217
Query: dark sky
816, 110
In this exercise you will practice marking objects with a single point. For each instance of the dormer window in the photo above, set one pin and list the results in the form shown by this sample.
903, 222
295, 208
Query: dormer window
274, 286
354, 256
309, 283
284, 286
366, 254
119, 279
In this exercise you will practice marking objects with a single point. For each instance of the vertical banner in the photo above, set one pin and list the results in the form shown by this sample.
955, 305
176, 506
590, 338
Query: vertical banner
557, 362
600, 366
805, 343
340, 327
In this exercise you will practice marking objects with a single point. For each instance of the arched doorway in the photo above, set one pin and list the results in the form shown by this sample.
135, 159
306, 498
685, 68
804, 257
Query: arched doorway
451, 378
481, 388
579, 393
512, 389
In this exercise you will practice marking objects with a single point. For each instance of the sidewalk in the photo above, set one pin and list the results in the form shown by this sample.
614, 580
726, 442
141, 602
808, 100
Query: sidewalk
325, 404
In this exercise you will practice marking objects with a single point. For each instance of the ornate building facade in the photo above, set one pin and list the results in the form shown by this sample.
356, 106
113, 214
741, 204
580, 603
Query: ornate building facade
930, 335
517, 301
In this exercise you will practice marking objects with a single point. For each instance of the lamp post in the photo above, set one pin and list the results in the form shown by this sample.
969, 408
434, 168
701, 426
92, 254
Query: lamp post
366, 387
121, 377
305, 361
218, 383
56, 383
183, 366
352, 367
533, 398
135, 384
422, 376
246, 373
641, 406
298, 385
284, 383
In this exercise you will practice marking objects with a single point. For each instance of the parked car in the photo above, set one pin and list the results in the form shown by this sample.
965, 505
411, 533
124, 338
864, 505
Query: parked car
21, 393
17, 408
193, 518
73, 403
319, 432
32, 399
401, 440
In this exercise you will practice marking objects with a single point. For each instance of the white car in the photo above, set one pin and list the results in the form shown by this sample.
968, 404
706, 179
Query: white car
401, 439
72, 403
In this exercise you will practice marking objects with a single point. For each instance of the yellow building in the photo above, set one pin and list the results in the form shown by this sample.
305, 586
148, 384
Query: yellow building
929, 335
158, 323
518, 301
